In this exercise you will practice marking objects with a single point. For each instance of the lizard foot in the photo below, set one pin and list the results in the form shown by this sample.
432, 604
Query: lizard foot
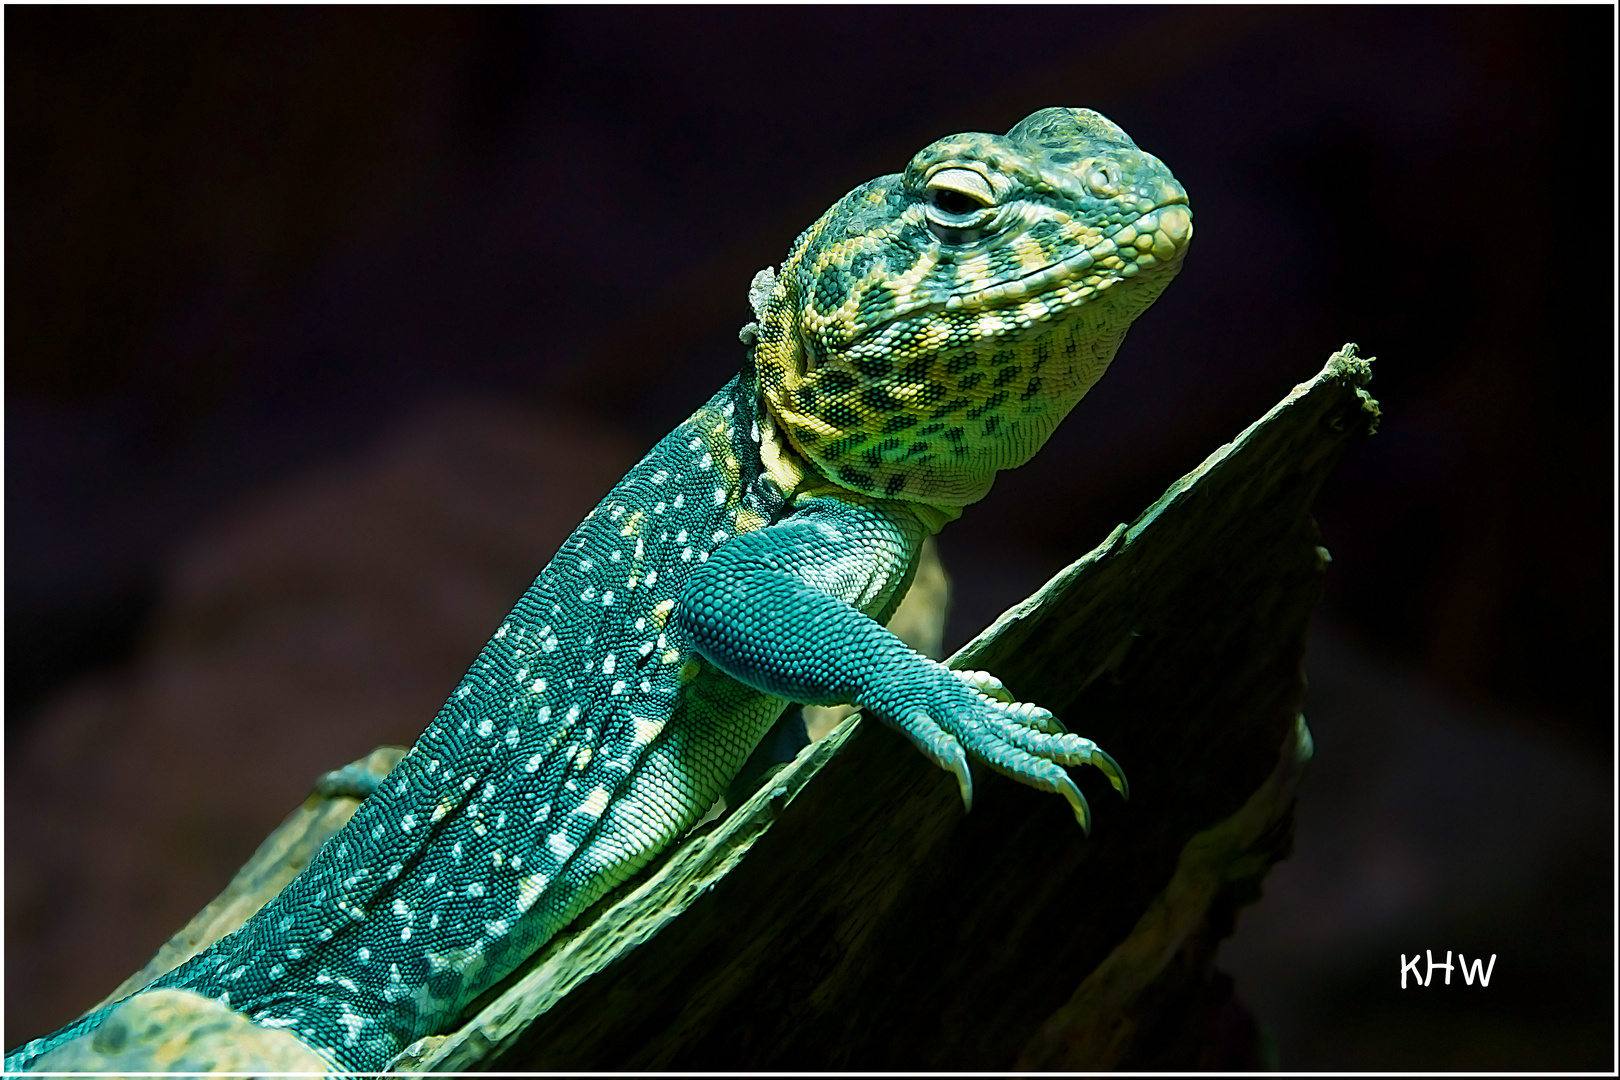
979, 717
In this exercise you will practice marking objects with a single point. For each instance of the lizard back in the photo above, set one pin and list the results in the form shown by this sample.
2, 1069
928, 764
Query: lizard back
514, 811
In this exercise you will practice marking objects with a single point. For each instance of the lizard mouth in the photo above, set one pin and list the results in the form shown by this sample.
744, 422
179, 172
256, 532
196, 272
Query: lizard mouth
1154, 239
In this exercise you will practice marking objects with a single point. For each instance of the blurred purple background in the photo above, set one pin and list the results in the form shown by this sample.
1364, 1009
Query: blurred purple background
262, 264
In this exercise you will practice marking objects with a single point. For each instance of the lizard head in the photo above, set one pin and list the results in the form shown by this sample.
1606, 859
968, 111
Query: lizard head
936, 325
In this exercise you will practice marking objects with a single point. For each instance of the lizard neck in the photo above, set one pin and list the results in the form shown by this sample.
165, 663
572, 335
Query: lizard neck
785, 464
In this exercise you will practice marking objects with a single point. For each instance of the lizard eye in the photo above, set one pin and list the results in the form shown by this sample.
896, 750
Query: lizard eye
958, 205
960, 191
951, 202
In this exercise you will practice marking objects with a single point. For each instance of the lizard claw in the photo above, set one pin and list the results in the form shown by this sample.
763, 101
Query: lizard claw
1110, 768
1082, 809
958, 765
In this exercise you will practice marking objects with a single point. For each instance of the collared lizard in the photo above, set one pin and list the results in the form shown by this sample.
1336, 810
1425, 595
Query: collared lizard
931, 329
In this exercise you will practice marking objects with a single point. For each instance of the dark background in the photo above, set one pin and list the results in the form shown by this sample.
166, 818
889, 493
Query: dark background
249, 251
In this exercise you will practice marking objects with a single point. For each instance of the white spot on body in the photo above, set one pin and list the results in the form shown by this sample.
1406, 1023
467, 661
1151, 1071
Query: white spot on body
353, 1025
594, 803
529, 890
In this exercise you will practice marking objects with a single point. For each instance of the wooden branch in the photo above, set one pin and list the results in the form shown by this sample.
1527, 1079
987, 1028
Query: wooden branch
850, 915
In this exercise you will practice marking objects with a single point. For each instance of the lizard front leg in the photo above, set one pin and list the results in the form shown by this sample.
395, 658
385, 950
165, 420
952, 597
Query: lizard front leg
788, 610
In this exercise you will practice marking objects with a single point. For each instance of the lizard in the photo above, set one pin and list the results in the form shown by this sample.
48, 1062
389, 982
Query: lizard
931, 329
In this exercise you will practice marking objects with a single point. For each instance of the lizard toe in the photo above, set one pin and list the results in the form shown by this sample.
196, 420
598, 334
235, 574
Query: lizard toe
942, 748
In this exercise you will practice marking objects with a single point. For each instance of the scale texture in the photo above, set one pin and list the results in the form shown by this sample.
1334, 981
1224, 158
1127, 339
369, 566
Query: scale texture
931, 329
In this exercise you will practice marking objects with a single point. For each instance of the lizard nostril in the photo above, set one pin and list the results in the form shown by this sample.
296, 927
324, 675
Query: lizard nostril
1103, 179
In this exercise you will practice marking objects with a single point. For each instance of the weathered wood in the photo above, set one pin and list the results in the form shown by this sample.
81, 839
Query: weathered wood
850, 915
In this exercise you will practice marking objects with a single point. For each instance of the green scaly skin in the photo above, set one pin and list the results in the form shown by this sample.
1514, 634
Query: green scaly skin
931, 329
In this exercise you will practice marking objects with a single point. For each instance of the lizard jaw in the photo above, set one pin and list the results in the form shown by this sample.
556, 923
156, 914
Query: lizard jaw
1168, 227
